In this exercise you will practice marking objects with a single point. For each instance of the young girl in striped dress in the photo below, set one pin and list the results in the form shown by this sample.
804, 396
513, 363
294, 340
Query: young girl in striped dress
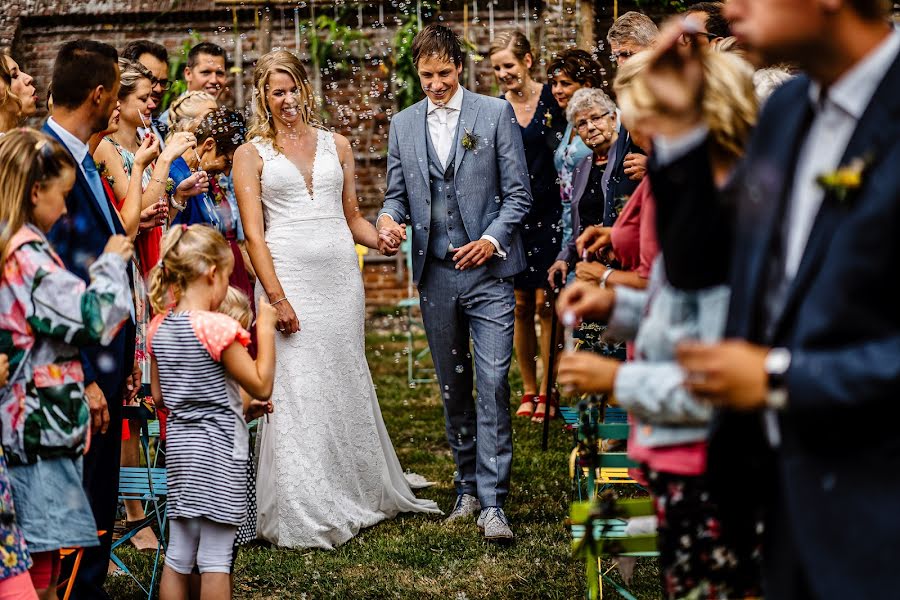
194, 350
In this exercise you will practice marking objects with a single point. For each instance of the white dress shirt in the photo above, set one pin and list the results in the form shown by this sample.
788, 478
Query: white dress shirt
442, 122
837, 113
78, 148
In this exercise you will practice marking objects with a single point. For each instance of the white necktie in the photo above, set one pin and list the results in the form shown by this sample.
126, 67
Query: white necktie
444, 139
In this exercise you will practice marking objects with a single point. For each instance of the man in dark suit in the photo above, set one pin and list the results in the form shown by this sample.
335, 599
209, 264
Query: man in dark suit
809, 383
85, 86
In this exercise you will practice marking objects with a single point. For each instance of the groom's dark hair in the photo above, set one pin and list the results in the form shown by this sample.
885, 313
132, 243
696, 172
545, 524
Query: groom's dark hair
437, 40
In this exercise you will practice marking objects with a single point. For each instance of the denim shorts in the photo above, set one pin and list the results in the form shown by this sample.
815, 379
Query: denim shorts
51, 506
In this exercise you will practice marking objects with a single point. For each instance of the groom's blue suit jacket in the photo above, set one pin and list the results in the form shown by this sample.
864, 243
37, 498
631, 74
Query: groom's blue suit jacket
838, 465
491, 180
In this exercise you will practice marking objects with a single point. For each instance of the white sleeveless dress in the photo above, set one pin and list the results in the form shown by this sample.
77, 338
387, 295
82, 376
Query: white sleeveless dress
327, 467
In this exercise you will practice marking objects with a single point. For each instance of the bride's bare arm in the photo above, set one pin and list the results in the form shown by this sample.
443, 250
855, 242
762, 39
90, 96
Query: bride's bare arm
247, 190
363, 232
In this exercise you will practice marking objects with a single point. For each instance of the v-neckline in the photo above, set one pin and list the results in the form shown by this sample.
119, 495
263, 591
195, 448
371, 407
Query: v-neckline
311, 182
534, 114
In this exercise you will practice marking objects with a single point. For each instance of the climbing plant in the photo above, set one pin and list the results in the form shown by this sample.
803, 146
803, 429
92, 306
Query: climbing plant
405, 78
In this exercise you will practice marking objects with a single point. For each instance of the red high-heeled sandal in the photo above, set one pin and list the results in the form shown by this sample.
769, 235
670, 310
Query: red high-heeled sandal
540, 409
526, 409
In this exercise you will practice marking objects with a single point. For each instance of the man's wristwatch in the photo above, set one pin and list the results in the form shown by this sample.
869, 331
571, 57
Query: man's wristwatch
777, 363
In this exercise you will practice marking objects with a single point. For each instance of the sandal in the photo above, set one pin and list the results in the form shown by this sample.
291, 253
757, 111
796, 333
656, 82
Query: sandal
526, 409
541, 408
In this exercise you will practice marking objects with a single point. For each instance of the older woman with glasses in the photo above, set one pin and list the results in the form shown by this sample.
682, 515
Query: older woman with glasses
593, 116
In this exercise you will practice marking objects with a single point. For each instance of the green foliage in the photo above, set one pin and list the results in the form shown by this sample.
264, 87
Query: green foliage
405, 76
333, 50
177, 63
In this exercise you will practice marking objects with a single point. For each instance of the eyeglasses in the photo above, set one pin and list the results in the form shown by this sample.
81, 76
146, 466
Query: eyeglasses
582, 124
165, 84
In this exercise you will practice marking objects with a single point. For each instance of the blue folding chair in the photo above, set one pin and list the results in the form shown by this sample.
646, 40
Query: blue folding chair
149, 485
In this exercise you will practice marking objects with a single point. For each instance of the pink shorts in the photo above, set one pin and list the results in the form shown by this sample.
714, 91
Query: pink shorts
17, 587
45, 569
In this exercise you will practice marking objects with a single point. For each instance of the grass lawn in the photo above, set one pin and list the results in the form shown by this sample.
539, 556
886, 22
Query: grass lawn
418, 556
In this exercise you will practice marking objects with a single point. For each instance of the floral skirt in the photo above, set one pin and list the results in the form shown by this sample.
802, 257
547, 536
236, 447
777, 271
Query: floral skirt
695, 560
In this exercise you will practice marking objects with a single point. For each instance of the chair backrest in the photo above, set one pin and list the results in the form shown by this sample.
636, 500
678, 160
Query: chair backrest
406, 249
143, 482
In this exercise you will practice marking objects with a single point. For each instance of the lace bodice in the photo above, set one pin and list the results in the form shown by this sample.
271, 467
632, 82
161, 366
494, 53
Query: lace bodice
285, 192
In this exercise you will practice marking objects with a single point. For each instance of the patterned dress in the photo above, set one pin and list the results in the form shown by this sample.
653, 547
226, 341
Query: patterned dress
14, 557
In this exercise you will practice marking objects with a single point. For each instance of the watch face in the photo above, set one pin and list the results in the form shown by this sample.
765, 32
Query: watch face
777, 361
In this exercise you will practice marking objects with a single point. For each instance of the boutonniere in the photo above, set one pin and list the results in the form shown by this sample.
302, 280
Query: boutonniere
470, 140
548, 118
170, 186
845, 180
103, 171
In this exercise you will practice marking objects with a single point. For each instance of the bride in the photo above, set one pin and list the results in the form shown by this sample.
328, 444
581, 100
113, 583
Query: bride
327, 467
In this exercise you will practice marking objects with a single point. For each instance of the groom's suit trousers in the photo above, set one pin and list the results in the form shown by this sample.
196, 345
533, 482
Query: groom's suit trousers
459, 306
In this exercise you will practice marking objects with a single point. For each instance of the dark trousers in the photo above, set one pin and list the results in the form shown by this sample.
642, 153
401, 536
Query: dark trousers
101, 482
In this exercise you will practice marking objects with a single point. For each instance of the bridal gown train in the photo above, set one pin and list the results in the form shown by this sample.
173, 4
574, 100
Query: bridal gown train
327, 467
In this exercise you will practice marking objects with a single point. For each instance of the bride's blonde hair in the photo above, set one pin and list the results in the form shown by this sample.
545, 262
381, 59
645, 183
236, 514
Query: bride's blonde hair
279, 61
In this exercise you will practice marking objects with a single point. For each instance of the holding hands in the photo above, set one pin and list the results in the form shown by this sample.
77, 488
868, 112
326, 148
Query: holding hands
390, 235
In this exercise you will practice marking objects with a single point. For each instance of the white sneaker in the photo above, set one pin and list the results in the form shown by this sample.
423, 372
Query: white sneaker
496, 527
466, 506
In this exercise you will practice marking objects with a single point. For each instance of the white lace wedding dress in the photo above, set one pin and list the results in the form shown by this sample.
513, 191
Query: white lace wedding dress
327, 467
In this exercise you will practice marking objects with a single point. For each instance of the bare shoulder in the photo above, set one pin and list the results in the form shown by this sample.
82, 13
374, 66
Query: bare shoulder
247, 152
340, 142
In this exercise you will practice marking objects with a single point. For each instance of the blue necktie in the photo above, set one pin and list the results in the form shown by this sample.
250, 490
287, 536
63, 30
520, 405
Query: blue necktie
93, 179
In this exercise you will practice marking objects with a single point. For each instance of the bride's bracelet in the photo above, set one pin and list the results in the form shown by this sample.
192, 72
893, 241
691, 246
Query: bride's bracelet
277, 301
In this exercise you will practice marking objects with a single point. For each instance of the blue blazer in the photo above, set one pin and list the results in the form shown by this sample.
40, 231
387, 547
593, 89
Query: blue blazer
836, 468
79, 238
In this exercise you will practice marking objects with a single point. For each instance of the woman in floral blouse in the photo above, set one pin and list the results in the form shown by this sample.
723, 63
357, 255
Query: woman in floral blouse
45, 315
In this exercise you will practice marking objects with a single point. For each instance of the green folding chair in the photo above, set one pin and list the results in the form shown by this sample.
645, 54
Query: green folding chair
599, 532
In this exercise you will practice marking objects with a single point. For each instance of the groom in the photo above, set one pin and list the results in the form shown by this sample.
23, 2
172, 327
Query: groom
456, 173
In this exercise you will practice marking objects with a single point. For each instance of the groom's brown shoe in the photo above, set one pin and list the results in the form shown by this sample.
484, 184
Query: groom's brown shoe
466, 506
